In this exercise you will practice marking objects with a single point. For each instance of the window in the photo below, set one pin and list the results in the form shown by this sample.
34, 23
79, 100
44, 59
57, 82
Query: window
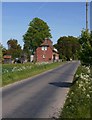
43, 56
44, 48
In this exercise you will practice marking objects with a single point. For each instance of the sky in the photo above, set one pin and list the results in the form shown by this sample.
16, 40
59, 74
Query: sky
0, 22
44, 0
91, 16
63, 18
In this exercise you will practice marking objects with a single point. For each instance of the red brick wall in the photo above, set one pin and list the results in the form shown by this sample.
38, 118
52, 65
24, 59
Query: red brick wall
47, 54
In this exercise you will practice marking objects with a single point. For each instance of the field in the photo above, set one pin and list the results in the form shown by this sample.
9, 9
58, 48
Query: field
15, 72
78, 103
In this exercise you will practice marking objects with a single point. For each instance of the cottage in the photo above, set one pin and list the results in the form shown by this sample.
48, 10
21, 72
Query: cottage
46, 52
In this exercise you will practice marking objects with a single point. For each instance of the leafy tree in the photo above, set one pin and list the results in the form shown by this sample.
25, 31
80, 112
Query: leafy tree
85, 54
1, 52
4, 51
14, 49
68, 47
38, 30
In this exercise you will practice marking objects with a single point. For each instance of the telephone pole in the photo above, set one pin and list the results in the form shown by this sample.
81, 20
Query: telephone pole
86, 14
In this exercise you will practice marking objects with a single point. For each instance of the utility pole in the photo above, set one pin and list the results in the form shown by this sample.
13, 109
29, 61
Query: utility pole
86, 14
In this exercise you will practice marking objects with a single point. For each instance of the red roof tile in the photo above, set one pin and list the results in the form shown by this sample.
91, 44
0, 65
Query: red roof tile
7, 57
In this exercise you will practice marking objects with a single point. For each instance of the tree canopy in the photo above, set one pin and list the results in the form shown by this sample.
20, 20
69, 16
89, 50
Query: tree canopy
38, 30
85, 54
68, 47
1, 52
14, 49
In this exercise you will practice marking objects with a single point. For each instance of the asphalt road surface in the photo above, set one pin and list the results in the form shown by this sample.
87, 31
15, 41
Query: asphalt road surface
42, 96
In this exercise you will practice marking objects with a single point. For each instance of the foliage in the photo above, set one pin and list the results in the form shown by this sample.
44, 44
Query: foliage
14, 49
78, 103
68, 47
38, 30
85, 54
15, 72
0, 52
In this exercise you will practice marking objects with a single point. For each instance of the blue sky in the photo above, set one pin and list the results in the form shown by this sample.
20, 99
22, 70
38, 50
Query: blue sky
91, 16
0, 21
63, 18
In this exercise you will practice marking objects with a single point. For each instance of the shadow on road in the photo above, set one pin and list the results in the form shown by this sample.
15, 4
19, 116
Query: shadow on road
61, 84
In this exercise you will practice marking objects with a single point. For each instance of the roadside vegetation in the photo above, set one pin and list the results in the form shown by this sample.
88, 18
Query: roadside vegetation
79, 100
78, 103
15, 72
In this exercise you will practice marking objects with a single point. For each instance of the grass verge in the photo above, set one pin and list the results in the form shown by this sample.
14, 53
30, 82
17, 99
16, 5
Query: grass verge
16, 72
78, 103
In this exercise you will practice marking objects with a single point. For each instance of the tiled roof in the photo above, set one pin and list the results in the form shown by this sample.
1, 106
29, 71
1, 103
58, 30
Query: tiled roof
7, 57
47, 42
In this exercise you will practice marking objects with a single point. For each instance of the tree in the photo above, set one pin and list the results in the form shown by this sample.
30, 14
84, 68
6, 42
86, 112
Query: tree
14, 49
68, 47
1, 52
85, 54
38, 30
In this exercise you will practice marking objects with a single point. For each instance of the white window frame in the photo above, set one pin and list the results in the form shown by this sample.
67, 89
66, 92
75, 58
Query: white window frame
43, 56
44, 48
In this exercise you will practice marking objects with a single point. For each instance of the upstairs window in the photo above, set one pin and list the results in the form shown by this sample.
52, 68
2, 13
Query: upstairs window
44, 47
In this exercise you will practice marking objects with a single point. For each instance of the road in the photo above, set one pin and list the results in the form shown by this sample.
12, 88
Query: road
42, 96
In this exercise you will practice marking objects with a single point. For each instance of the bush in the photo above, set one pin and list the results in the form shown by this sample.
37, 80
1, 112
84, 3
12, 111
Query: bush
78, 103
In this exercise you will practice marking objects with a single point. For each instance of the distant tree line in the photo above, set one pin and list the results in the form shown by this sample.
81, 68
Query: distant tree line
68, 47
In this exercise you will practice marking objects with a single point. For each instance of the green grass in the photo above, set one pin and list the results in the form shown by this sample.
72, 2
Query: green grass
15, 72
78, 103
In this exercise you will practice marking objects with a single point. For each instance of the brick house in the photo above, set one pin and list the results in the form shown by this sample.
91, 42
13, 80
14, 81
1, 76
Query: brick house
46, 52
